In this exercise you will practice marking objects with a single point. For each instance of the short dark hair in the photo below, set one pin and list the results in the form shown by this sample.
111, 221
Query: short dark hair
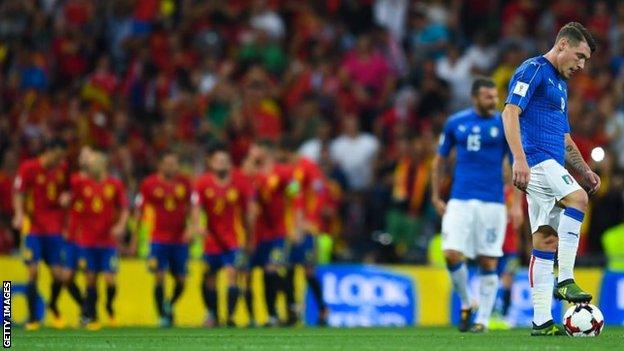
287, 143
481, 82
216, 146
55, 143
576, 33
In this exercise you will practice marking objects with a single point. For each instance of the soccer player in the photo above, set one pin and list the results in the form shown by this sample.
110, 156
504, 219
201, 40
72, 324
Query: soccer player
225, 195
303, 252
473, 221
38, 186
167, 195
102, 212
277, 190
71, 251
538, 132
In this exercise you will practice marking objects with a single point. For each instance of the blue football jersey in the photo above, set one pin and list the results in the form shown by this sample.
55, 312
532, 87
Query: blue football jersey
541, 92
481, 147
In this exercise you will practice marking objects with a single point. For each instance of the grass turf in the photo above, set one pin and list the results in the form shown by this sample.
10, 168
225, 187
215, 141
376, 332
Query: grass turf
378, 339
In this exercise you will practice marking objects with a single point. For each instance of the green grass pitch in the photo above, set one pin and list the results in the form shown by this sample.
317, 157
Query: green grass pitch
300, 339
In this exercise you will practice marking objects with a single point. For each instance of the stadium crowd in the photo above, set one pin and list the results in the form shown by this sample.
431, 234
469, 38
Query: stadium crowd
363, 88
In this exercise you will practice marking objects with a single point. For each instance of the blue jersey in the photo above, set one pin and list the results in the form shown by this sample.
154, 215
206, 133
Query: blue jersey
541, 93
481, 148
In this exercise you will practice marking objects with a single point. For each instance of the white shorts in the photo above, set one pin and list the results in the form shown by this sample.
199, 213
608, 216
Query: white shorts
474, 227
549, 183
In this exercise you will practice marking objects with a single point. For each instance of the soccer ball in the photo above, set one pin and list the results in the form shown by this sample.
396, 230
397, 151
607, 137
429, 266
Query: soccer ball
583, 320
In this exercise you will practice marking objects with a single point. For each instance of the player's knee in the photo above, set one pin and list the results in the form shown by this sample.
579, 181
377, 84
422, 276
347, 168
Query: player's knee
488, 263
577, 200
453, 257
545, 239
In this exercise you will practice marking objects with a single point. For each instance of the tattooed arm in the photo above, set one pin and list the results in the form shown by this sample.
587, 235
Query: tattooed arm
573, 158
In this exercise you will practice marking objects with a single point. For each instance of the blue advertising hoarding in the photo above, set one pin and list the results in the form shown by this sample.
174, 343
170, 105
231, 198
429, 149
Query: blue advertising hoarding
364, 296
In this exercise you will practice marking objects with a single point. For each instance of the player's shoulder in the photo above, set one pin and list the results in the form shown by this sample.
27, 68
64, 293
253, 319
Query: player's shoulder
204, 179
461, 116
531, 67
30, 164
150, 179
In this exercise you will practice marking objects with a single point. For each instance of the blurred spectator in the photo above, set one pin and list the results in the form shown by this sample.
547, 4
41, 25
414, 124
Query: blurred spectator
355, 152
456, 69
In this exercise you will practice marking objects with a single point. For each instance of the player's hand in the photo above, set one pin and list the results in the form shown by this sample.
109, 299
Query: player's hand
188, 235
18, 221
440, 206
592, 180
516, 216
521, 174
118, 230
64, 199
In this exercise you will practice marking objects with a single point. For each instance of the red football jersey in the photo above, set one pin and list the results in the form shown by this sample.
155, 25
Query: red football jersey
276, 205
170, 202
97, 206
42, 187
313, 190
225, 205
75, 178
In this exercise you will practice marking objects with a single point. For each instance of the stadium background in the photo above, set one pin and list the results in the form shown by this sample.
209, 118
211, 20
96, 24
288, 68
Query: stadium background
137, 77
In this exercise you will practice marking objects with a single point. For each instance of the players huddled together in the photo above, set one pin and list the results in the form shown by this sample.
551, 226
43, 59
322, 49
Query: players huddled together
263, 214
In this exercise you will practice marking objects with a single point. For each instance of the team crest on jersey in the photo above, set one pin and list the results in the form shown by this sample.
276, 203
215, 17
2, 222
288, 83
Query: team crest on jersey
40, 178
109, 191
209, 193
298, 174
232, 195
180, 190
273, 181
78, 206
159, 192
494, 131
476, 129
87, 191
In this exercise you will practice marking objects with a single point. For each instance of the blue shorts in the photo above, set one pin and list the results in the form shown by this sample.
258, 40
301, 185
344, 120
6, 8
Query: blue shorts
70, 255
508, 263
100, 259
232, 258
302, 252
172, 256
46, 247
269, 252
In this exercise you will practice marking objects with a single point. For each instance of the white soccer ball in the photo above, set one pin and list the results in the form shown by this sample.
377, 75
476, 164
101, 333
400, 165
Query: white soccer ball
583, 320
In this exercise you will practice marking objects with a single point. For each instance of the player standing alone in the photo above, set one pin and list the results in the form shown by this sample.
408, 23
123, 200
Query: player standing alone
225, 195
538, 132
167, 195
38, 186
102, 212
474, 220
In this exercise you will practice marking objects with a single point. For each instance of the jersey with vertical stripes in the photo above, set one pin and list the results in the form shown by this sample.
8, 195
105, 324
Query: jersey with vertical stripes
541, 93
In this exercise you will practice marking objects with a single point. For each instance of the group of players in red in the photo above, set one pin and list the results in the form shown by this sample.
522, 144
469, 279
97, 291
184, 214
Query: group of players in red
264, 214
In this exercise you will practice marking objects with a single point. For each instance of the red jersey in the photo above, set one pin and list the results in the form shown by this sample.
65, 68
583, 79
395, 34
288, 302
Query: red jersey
169, 201
6, 195
313, 189
97, 205
42, 187
225, 205
73, 214
275, 203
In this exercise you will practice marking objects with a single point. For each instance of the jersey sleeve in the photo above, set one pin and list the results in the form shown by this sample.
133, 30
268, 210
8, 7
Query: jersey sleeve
447, 140
23, 179
523, 84
122, 198
142, 197
196, 198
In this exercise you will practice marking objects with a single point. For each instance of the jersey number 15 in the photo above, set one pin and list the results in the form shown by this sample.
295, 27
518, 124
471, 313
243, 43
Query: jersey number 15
474, 142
